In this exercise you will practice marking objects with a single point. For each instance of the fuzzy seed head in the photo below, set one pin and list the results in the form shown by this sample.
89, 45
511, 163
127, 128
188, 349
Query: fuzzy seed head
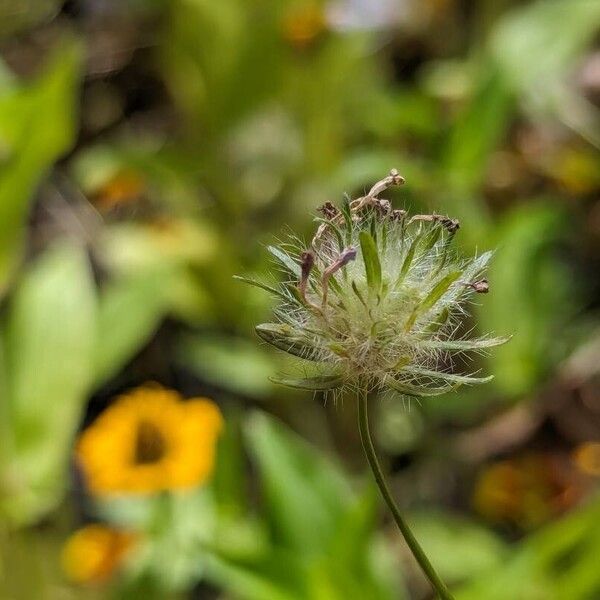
375, 301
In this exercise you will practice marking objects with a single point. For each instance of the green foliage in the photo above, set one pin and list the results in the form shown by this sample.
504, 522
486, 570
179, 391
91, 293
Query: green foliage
218, 360
557, 562
321, 534
313, 537
538, 46
233, 127
49, 338
37, 125
460, 549
130, 309
531, 278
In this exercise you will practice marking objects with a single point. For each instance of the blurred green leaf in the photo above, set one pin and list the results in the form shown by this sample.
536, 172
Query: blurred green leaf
360, 562
130, 247
6, 441
557, 563
177, 529
130, 309
233, 363
251, 583
460, 549
474, 136
531, 298
228, 479
477, 132
323, 542
304, 493
50, 334
37, 125
537, 46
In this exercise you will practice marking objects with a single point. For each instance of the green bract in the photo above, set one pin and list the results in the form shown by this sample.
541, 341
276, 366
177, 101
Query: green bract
376, 300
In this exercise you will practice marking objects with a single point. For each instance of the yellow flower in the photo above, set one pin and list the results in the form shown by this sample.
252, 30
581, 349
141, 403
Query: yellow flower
150, 440
94, 552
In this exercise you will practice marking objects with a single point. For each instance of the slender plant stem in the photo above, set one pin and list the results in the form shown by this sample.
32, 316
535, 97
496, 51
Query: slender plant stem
418, 553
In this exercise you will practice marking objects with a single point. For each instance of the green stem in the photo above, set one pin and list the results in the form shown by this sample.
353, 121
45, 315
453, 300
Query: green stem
418, 553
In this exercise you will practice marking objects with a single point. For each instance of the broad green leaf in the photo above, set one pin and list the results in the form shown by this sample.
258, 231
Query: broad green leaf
371, 260
359, 564
555, 563
49, 340
37, 126
304, 493
540, 44
267, 581
532, 296
474, 137
130, 309
232, 363
128, 247
460, 549
228, 480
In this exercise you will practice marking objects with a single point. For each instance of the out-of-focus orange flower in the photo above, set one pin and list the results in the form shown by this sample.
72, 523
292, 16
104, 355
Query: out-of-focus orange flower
587, 458
150, 440
93, 553
301, 25
527, 490
123, 187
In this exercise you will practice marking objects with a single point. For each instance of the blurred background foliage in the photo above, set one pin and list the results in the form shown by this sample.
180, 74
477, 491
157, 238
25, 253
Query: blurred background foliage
150, 149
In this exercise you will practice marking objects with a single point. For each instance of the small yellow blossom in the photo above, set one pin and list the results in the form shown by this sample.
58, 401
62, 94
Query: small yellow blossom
93, 553
150, 440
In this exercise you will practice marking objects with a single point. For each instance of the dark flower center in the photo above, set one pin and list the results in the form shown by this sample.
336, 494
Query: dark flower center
150, 444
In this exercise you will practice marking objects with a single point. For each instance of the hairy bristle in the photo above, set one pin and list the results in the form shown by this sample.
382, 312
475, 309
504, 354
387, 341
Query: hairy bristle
376, 300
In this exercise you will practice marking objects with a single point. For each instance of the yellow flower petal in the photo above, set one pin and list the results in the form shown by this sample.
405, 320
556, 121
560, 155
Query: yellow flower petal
93, 553
150, 440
